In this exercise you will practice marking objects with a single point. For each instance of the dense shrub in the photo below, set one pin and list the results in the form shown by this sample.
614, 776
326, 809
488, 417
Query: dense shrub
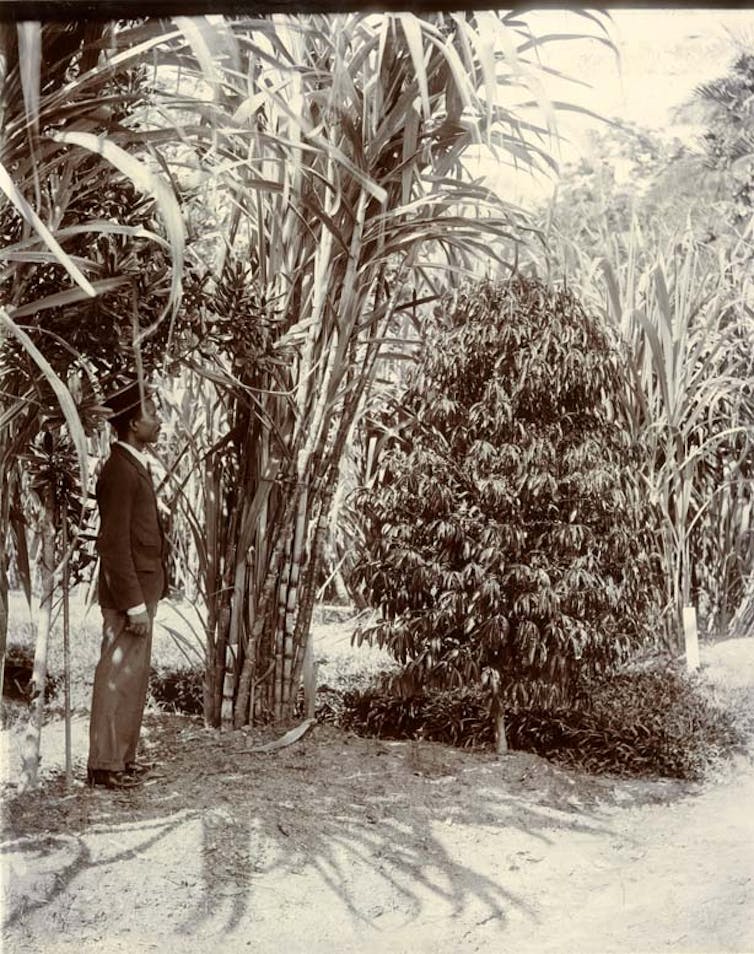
645, 723
18, 668
507, 537
178, 690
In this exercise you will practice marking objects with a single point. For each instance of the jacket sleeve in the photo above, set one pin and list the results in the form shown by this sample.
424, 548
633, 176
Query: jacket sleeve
116, 492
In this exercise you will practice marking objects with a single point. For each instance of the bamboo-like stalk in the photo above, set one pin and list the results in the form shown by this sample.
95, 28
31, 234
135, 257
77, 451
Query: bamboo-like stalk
302, 634
33, 736
292, 601
281, 547
4, 532
230, 656
276, 686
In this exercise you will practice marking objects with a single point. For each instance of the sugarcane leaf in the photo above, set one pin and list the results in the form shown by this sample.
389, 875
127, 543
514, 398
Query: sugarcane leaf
67, 404
70, 297
186, 646
412, 28
148, 182
11, 191
288, 739
199, 35
30, 61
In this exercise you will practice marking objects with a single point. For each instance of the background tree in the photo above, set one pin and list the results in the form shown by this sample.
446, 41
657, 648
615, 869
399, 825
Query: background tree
508, 542
729, 136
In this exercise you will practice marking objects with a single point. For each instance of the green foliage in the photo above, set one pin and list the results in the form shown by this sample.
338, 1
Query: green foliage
643, 723
507, 540
179, 690
729, 140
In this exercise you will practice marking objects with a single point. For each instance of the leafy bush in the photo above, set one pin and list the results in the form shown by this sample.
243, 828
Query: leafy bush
179, 690
19, 665
643, 723
507, 536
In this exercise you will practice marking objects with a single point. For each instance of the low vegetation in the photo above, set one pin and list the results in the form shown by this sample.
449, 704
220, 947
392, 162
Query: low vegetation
647, 720
656, 722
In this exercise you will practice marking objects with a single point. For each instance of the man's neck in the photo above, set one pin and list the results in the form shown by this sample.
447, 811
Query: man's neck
133, 449
138, 446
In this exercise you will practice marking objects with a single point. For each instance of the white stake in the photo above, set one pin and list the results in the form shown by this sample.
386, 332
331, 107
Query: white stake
691, 637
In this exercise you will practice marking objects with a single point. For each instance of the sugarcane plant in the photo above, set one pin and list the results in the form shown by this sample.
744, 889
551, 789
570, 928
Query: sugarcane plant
342, 152
689, 332
684, 313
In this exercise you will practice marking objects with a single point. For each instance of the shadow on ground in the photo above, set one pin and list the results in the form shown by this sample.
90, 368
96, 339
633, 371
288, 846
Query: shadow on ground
221, 835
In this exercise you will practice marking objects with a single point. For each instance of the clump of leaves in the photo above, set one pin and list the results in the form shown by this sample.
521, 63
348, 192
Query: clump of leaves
507, 538
340, 675
178, 690
18, 668
656, 722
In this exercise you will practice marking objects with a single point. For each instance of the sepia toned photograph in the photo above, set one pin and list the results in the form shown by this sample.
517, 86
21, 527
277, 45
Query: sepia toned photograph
376, 479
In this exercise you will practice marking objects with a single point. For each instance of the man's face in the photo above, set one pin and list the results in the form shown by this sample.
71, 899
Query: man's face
146, 427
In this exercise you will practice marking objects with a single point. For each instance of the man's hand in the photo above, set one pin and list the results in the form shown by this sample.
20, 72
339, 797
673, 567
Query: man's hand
138, 624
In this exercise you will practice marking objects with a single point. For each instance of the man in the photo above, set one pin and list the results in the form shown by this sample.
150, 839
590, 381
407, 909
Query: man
132, 579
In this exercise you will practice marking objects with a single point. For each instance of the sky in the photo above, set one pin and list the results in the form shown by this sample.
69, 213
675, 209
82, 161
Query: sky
665, 53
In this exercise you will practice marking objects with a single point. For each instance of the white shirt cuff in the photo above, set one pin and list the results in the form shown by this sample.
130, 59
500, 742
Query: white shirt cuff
136, 610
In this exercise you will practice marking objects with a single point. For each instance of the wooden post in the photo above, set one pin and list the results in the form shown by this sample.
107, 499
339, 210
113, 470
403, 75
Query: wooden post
691, 638
67, 651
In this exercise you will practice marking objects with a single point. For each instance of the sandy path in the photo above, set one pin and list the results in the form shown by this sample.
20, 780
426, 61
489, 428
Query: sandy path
473, 868
675, 877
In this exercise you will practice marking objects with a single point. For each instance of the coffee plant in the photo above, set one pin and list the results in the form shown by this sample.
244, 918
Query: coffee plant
507, 538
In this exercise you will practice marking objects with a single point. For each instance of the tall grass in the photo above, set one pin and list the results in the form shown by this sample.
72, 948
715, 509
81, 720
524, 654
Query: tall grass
685, 319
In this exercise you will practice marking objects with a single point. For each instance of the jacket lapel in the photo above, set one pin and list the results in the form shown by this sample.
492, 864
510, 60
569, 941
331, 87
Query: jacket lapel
141, 469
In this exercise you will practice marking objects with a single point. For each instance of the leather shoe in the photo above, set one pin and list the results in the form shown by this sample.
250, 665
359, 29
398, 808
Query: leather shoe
137, 769
109, 779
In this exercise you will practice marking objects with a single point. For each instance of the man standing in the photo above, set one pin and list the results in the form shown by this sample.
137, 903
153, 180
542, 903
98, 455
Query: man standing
132, 579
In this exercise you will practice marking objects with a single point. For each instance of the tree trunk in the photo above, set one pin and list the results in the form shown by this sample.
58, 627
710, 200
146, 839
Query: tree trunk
501, 742
32, 739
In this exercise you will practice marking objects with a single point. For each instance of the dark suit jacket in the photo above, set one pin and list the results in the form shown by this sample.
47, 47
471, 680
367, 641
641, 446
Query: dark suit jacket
131, 542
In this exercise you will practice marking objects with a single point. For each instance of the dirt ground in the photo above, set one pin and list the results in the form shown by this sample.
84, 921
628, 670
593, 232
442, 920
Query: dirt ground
340, 844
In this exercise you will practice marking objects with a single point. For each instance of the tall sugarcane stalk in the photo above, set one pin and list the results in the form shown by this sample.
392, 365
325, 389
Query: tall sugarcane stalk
358, 126
4, 563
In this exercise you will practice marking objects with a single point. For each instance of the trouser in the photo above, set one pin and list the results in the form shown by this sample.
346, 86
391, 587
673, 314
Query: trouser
119, 693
